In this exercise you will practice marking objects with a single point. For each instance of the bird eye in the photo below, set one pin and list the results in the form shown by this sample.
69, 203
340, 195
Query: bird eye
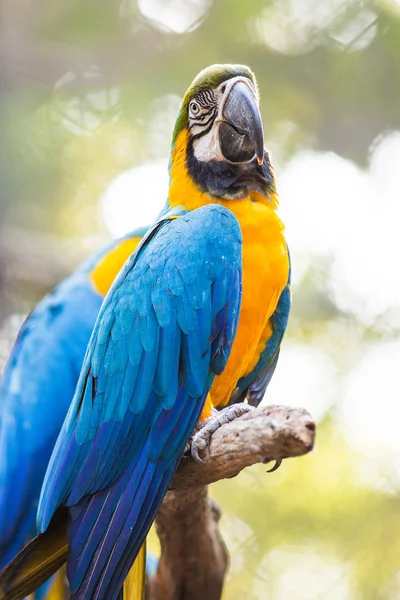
194, 108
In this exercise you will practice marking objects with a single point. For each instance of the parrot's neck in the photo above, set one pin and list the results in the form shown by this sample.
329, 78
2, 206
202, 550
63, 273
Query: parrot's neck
186, 195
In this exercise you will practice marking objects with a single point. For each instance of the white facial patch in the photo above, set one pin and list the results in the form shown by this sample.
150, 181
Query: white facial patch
206, 147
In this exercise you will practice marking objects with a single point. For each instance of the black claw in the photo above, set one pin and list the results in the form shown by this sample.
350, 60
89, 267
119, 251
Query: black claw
195, 455
276, 466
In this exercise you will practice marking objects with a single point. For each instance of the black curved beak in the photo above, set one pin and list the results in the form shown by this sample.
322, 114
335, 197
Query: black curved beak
241, 133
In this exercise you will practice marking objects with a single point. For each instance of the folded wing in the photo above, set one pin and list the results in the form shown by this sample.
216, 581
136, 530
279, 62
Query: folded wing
165, 330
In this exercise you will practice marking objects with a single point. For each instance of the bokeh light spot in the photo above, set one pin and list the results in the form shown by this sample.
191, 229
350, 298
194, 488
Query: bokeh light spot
178, 16
134, 198
311, 383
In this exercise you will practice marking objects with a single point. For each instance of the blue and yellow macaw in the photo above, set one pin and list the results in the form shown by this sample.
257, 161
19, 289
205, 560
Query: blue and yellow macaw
193, 322
38, 385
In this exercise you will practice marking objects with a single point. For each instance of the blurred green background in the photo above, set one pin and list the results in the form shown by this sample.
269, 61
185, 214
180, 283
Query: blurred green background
89, 94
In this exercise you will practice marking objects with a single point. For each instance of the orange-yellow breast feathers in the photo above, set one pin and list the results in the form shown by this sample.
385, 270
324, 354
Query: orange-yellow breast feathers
265, 275
265, 269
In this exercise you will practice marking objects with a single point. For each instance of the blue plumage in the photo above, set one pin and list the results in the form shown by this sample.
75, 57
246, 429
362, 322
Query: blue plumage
117, 451
50, 349
164, 331
35, 394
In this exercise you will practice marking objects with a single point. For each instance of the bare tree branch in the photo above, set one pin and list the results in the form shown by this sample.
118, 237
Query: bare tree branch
194, 558
267, 433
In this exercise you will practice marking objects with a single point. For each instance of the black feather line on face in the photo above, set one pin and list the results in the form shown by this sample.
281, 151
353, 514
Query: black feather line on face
200, 123
206, 98
226, 180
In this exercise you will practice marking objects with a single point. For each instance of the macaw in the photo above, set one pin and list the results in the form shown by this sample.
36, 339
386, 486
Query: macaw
193, 322
38, 385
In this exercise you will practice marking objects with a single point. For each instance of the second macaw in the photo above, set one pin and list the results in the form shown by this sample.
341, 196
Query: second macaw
193, 321
39, 383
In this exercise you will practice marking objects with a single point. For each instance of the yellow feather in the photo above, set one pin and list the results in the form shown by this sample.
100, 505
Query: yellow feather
58, 589
107, 269
134, 583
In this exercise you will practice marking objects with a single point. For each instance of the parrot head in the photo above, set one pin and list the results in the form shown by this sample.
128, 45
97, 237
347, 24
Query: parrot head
218, 139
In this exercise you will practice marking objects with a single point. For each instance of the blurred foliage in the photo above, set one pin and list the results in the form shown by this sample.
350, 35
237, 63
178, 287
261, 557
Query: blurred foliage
80, 77
89, 89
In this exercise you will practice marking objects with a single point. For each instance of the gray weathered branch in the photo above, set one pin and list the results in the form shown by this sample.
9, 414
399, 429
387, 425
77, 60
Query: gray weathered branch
194, 558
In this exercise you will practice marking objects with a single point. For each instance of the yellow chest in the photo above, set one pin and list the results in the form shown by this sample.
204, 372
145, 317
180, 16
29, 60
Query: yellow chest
265, 274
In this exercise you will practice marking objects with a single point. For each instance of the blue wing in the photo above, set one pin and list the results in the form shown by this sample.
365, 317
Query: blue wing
35, 394
254, 385
164, 331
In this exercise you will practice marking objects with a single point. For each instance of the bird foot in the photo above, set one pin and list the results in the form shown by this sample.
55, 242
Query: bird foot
204, 431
